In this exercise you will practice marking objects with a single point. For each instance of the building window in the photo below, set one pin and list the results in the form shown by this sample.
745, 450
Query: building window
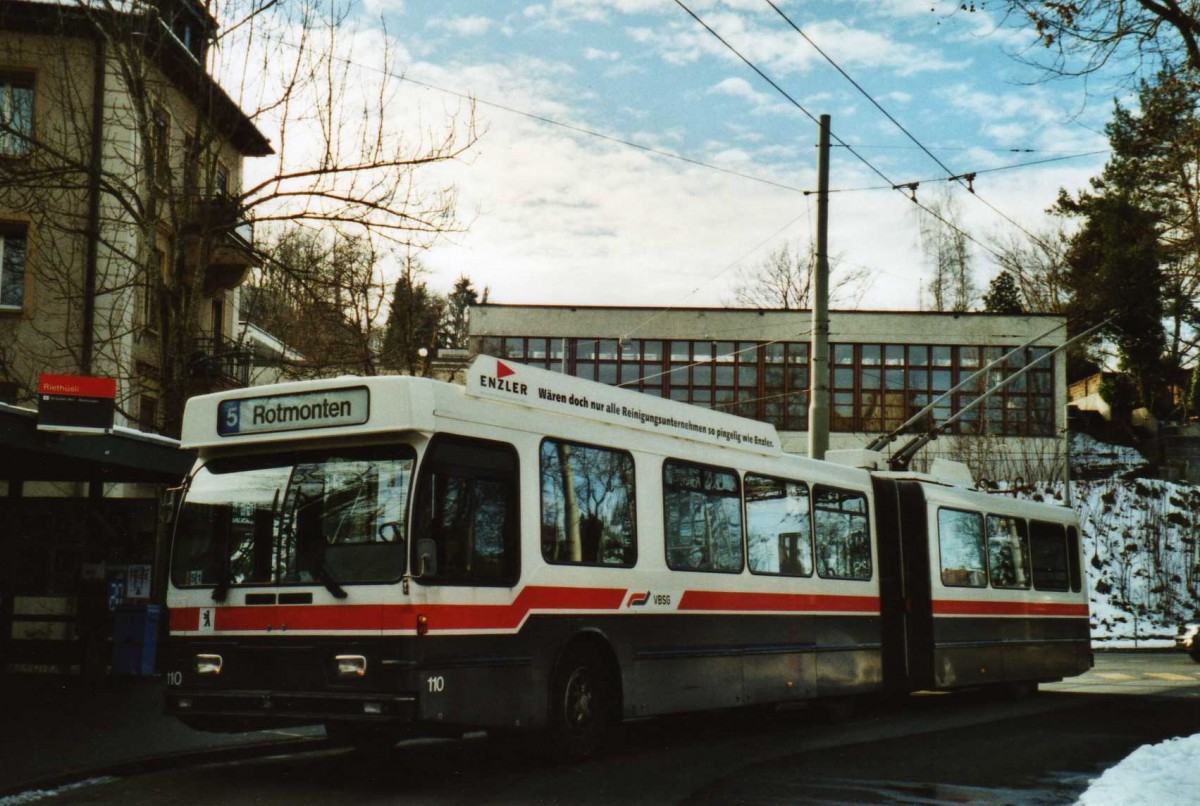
878, 387
218, 319
16, 113
161, 131
221, 182
12, 265
874, 388
149, 307
148, 414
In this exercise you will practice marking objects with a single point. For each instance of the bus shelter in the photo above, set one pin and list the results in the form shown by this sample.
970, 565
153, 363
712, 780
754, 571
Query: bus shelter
82, 520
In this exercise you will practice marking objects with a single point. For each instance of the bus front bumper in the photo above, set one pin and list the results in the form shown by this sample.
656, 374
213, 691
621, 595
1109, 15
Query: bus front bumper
287, 707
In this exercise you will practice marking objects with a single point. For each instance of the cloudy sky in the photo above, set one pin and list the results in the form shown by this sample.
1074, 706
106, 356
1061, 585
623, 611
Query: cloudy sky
555, 214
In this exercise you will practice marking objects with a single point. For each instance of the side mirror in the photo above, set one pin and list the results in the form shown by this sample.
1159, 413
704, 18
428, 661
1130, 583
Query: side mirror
426, 558
391, 532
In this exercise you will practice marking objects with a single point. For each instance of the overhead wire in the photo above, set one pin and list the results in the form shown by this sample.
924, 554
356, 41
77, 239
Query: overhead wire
775, 85
966, 180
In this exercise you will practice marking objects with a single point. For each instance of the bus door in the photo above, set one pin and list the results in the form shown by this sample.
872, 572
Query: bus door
891, 585
466, 565
904, 587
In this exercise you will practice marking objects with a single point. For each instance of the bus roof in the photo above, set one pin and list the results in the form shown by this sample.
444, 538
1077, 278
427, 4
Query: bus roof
356, 407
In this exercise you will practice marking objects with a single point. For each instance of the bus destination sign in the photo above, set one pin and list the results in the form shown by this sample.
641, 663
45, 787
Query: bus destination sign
297, 412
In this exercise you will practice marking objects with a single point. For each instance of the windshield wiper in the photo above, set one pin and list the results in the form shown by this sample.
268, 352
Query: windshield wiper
326, 578
222, 590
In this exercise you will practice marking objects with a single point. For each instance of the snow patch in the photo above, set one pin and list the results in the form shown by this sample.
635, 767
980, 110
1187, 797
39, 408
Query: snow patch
1154, 775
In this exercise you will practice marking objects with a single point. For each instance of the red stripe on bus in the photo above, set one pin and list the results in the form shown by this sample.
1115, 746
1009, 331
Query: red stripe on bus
184, 619
960, 607
777, 602
345, 617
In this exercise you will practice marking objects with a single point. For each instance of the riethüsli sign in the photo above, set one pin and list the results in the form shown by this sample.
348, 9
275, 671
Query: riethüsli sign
295, 412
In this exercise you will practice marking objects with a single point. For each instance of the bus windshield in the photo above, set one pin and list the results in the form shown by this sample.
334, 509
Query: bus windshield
331, 518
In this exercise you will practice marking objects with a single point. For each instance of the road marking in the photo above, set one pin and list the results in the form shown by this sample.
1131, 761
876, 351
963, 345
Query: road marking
1114, 676
1174, 678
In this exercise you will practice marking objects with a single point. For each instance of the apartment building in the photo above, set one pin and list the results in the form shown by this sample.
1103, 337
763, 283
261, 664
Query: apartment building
122, 248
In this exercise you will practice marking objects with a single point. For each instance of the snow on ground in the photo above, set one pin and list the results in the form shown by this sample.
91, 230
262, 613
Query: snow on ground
1139, 543
1139, 550
1091, 458
1155, 775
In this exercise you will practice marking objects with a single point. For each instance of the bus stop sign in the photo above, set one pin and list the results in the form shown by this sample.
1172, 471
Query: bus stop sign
76, 404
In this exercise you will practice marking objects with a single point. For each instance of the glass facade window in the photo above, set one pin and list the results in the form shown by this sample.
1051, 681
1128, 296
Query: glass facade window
874, 387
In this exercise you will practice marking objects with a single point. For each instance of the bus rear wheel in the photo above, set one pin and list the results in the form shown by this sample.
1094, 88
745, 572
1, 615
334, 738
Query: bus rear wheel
583, 705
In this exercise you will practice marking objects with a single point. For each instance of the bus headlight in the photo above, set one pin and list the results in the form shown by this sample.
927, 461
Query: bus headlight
208, 664
351, 665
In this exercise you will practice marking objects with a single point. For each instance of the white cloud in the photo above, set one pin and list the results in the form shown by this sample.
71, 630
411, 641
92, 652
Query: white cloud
462, 26
596, 54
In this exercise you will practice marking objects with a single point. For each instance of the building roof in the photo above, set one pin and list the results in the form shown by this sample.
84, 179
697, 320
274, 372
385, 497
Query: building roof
756, 324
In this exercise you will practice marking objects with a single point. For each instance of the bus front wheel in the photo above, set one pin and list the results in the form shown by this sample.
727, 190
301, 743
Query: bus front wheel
583, 705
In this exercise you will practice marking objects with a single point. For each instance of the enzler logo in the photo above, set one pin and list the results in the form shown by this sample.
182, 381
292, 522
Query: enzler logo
323, 409
500, 381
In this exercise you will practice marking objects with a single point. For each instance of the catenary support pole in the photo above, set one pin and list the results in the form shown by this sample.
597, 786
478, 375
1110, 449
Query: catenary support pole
818, 405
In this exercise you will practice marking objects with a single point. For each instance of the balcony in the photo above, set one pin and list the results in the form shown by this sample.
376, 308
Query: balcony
219, 363
222, 238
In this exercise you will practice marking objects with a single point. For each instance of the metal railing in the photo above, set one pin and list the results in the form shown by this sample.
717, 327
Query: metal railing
218, 359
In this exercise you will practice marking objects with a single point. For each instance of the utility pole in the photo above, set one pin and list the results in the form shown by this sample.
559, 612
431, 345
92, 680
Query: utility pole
818, 395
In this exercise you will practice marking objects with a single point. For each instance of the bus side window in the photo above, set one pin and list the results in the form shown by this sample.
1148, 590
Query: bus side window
1073, 559
1008, 552
702, 508
843, 534
779, 532
467, 504
960, 540
1048, 546
587, 505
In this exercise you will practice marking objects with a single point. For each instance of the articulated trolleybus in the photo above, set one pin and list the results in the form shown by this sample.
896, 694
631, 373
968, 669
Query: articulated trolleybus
392, 555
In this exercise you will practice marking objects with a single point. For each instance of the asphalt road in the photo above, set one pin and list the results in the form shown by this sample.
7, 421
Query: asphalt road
950, 748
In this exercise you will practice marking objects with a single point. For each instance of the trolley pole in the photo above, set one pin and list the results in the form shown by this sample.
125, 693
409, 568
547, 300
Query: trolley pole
818, 398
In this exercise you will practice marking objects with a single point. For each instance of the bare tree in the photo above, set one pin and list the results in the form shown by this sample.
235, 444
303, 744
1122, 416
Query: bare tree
322, 294
158, 167
1036, 260
1083, 36
784, 280
951, 285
